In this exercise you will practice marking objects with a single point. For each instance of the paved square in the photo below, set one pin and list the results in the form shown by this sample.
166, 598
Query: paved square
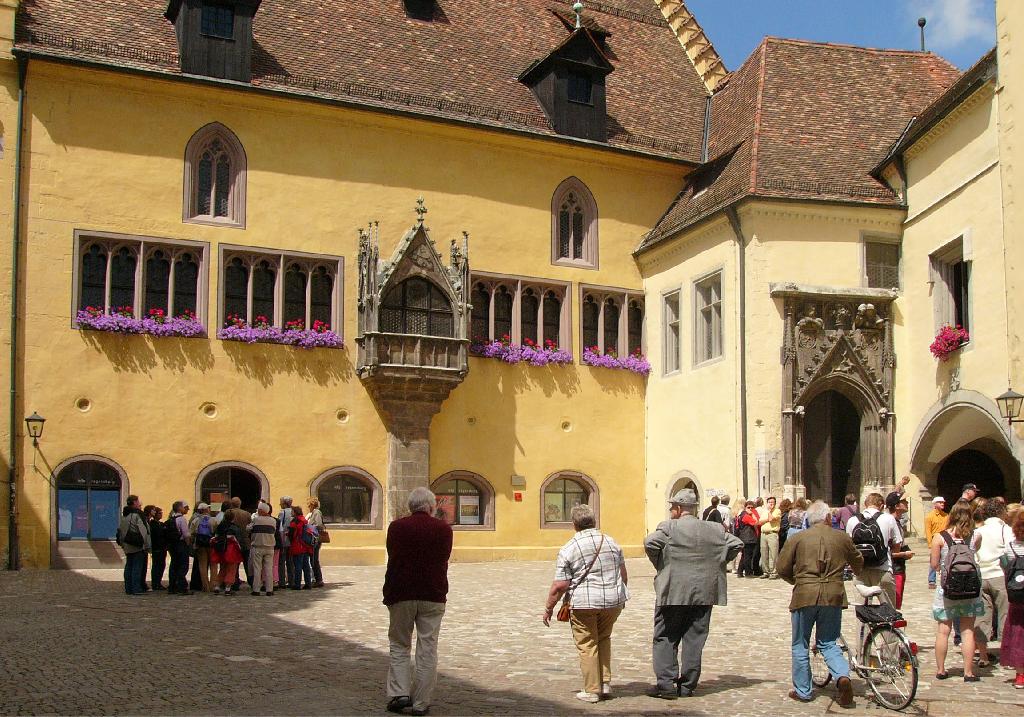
73, 643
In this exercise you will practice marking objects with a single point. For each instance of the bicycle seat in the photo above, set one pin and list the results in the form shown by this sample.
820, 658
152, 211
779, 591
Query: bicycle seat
867, 592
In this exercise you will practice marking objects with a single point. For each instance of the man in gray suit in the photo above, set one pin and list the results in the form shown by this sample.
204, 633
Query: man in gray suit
690, 555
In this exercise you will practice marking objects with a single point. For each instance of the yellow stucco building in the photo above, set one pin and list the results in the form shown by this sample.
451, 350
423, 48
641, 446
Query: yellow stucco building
258, 257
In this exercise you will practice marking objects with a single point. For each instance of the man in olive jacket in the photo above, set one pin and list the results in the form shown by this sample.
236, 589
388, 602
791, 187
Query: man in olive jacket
690, 555
812, 561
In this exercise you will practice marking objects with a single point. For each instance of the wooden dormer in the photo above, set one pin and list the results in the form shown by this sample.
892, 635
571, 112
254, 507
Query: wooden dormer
215, 37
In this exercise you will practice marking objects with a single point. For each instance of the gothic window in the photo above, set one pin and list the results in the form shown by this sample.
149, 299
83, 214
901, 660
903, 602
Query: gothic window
281, 288
215, 171
635, 326
612, 320
136, 275
464, 500
591, 319
611, 326
574, 225
552, 318
417, 306
481, 317
529, 308
560, 493
503, 301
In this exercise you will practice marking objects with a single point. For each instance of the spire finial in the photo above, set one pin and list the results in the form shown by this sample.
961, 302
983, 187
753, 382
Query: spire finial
421, 210
578, 9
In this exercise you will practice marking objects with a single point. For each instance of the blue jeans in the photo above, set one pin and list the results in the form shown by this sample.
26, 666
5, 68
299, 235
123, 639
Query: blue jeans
829, 621
931, 576
134, 567
303, 568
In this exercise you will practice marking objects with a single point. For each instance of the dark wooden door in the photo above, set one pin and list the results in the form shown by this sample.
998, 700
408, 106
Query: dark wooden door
831, 460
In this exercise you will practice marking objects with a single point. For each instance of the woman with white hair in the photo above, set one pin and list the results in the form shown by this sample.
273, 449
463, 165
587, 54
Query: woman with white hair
591, 575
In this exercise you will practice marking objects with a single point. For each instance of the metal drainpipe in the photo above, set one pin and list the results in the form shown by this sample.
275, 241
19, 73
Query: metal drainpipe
734, 220
13, 552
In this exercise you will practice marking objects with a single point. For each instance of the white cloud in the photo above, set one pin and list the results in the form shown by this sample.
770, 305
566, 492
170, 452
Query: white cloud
952, 23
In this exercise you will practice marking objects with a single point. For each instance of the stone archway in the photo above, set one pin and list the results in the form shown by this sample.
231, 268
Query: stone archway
961, 439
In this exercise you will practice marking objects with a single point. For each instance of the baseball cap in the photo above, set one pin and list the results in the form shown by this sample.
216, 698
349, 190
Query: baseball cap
971, 486
202, 506
892, 500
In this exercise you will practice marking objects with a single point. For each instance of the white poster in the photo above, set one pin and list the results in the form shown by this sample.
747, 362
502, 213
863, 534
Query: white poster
469, 510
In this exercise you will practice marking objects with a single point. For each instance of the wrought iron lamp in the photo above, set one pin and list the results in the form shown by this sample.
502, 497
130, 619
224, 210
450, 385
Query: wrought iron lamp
35, 427
1009, 406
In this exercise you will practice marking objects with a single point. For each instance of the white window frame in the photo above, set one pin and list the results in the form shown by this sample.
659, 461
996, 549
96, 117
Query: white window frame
516, 285
281, 260
940, 276
601, 294
142, 247
866, 239
699, 357
669, 367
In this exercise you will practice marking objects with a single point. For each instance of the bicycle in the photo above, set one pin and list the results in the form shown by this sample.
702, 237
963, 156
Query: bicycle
886, 659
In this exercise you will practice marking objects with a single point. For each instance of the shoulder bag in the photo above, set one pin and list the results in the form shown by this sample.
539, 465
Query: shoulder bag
565, 610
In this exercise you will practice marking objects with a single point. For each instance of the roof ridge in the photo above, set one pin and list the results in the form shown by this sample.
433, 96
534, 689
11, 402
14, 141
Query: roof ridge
850, 46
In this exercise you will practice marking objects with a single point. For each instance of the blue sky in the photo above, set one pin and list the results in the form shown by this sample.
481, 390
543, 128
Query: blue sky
959, 30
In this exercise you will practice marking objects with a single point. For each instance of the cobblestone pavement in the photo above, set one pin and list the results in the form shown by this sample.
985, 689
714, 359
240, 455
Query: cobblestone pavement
74, 643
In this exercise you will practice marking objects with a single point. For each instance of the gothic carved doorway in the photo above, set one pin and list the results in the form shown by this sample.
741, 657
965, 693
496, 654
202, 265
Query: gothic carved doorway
831, 448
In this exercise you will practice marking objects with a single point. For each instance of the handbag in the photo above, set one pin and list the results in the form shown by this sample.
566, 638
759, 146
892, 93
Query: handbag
565, 611
325, 537
133, 537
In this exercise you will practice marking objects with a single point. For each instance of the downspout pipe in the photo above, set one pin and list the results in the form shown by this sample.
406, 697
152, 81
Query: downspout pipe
741, 330
13, 549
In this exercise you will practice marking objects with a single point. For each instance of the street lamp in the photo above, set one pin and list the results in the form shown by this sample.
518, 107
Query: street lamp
1009, 406
35, 427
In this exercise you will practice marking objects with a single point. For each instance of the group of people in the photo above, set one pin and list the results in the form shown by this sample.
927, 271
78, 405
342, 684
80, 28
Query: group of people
281, 551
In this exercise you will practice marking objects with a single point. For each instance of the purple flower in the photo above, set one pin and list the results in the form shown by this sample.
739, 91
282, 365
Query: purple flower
515, 353
302, 338
122, 323
635, 362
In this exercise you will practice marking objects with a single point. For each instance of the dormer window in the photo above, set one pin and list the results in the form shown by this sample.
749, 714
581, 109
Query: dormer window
218, 21
581, 88
420, 9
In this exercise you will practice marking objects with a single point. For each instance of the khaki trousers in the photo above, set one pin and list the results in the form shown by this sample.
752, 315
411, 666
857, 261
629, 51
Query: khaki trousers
592, 632
993, 593
203, 561
425, 617
261, 562
769, 553
873, 577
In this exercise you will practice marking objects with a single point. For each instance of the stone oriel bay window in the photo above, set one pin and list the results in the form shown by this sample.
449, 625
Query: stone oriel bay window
215, 178
521, 308
138, 277
465, 500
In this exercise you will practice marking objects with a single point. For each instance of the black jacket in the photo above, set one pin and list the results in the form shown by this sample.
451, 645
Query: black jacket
156, 535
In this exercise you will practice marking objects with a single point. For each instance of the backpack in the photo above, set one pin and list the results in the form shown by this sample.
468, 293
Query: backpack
867, 536
1015, 578
310, 536
171, 533
961, 576
203, 532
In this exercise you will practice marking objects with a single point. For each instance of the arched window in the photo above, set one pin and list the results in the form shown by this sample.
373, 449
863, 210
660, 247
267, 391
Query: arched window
295, 295
464, 500
321, 296
122, 278
349, 498
560, 492
574, 225
224, 481
529, 310
93, 289
186, 284
417, 306
236, 289
591, 317
552, 318
158, 276
264, 279
481, 317
502, 312
88, 500
611, 326
635, 326
215, 171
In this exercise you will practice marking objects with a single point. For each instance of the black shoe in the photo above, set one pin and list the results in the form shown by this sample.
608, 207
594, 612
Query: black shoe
255, 593
664, 694
972, 678
397, 704
270, 593
159, 587
420, 712
306, 586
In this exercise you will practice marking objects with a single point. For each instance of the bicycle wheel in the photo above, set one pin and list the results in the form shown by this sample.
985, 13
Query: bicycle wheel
891, 667
820, 674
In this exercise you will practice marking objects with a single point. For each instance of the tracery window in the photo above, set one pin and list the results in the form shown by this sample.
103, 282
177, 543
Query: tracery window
215, 173
521, 308
283, 290
612, 320
574, 225
417, 306
138, 275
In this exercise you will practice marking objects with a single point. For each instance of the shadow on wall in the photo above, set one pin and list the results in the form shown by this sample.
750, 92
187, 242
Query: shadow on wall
162, 654
142, 354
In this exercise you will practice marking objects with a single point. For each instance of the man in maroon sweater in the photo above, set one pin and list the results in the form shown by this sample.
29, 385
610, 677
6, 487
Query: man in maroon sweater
415, 591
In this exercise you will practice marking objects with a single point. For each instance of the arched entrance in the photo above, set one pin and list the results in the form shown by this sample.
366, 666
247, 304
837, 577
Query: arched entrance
681, 480
831, 453
88, 500
969, 466
222, 482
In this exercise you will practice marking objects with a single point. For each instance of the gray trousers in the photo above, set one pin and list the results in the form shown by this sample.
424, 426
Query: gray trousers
674, 625
404, 678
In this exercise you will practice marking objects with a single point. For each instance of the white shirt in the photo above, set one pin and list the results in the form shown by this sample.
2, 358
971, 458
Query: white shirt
890, 533
602, 587
995, 536
726, 515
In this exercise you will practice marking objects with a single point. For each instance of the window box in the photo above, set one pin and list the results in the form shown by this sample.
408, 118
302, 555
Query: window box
320, 336
635, 362
528, 352
121, 320
948, 341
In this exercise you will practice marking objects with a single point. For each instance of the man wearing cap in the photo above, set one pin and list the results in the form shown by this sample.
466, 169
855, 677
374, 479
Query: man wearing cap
262, 531
970, 492
690, 556
934, 523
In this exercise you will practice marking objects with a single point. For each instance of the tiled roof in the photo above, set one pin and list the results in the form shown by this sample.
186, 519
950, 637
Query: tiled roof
803, 120
461, 66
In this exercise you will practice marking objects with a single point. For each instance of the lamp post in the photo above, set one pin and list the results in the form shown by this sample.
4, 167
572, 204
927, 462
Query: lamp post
35, 427
1009, 406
